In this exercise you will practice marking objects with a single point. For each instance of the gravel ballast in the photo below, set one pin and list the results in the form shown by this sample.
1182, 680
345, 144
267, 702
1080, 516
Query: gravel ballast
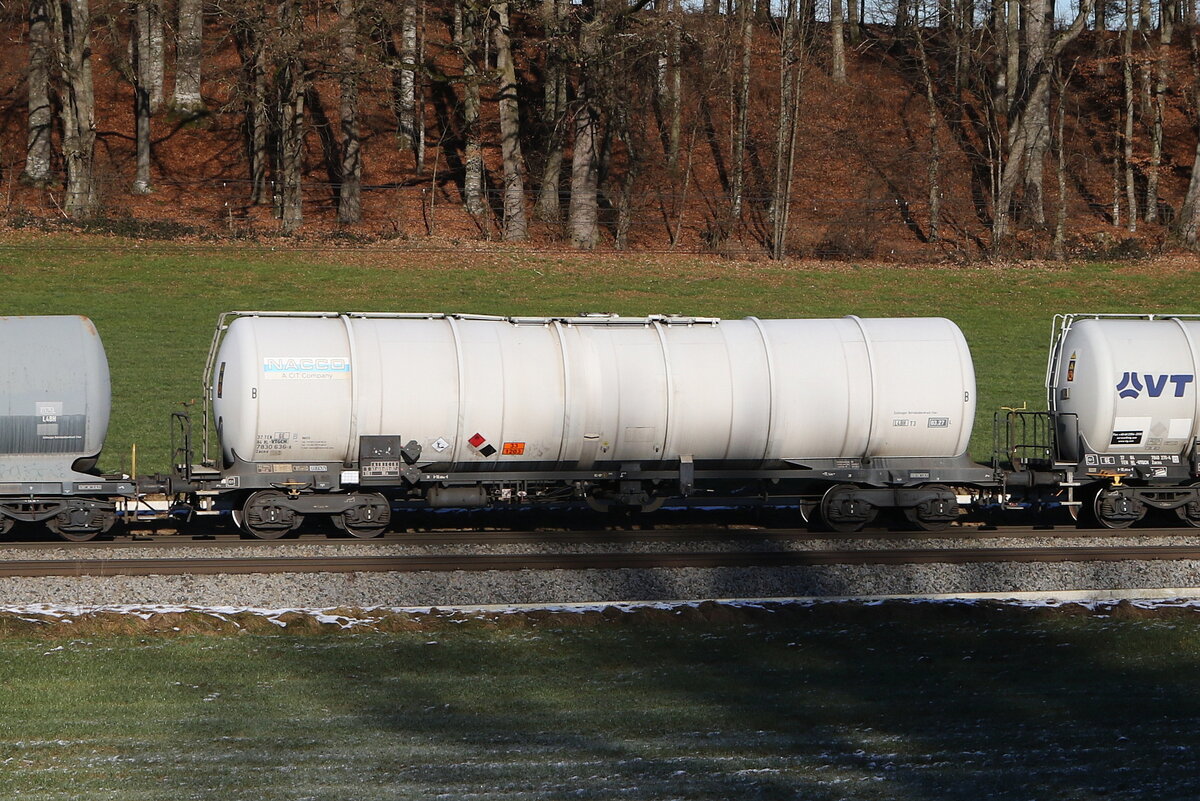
420, 589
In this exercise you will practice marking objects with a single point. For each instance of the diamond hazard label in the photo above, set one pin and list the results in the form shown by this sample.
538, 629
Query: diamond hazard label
477, 440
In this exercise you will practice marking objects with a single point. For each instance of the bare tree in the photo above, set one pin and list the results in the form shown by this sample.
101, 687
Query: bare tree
595, 58
141, 103
1127, 116
554, 110
837, 41
186, 99
1026, 122
71, 21
406, 101
1187, 224
249, 34
515, 226
150, 32
741, 115
349, 196
467, 22
37, 150
290, 94
791, 72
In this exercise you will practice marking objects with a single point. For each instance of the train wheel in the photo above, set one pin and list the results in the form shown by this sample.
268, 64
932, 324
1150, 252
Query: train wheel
1190, 513
266, 516
933, 514
81, 523
367, 519
844, 513
1117, 510
6, 524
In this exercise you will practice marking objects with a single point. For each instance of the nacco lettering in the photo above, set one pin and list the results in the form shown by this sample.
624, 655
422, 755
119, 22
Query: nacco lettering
1133, 384
307, 365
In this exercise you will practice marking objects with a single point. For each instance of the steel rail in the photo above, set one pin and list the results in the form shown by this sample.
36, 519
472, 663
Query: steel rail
615, 536
488, 562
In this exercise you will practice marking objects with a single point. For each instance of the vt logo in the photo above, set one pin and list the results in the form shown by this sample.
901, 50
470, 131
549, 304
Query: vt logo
1131, 384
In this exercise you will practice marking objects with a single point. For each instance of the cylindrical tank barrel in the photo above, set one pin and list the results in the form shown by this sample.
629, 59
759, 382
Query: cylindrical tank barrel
574, 392
1130, 382
54, 394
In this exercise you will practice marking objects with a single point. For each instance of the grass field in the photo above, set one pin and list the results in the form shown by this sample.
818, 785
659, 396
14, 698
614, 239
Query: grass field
156, 304
837, 702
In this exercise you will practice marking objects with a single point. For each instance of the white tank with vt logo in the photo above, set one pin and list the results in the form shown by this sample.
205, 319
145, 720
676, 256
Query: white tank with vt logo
1131, 382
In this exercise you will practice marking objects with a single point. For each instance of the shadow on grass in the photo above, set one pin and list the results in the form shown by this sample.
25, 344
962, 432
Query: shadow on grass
825, 702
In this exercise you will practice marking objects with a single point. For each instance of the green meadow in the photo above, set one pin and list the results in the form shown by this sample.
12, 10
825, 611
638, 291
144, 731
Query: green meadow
156, 304
884, 703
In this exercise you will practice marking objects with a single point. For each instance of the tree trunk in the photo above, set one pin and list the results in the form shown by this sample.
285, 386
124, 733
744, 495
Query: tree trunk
349, 209
71, 21
406, 100
1038, 26
37, 150
141, 107
474, 199
935, 150
291, 117
1024, 128
741, 105
1127, 143
790, 86
554, 108
1058, 247
852, 20
150, 40
187, 100
838, 44
1157, 102
583, 211
515, 227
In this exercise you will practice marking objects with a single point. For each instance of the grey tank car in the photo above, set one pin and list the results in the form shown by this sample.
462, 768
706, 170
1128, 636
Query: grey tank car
54, 409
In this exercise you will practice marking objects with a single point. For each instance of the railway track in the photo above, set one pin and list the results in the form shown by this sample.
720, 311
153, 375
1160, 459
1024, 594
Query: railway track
104, 567
583, 537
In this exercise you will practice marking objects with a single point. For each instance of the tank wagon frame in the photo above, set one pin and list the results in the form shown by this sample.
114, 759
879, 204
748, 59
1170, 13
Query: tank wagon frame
1120, 434
389, 469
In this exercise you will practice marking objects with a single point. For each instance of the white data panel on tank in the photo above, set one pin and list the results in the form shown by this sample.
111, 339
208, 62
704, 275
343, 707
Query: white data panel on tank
1131, 383
575, 392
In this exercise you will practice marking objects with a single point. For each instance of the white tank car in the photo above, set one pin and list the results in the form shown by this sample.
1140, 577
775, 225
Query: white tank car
54, 397
54, 408
1129, 382
476, 392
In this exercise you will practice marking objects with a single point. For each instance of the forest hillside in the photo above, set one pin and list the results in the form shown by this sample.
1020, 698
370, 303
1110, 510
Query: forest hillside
813, 128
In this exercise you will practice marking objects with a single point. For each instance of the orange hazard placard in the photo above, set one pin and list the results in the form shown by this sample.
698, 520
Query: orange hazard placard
513, 449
